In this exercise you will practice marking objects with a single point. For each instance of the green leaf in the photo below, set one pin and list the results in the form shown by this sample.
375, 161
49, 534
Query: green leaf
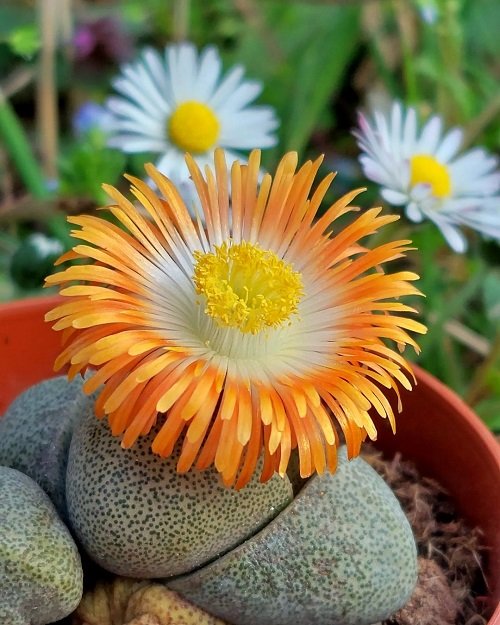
25, 40
452, 308
86, 166
319, 69
489, 411
479, 21
301, 53
14, 15
493, 378
491, 295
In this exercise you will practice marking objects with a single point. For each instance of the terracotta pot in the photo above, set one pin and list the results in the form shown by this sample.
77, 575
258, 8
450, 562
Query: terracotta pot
437, 430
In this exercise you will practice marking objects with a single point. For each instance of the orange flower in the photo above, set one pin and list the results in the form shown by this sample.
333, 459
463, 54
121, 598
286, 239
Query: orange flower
252, 329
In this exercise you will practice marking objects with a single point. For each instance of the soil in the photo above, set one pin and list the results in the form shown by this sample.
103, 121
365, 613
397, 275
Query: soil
451, 583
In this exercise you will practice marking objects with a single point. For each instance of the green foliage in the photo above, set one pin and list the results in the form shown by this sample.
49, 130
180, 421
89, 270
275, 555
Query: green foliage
303, 58
491, 295
489, 411
479, 16
489, 406
34, 260
86, 165
16, 17
25, 40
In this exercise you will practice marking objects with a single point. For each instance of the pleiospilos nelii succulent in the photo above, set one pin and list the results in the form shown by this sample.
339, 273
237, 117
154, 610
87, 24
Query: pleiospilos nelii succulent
342, 553
346, 532
40, 568
35, 433
135, 515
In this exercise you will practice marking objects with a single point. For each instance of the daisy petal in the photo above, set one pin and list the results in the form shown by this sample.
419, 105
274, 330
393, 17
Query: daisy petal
449, 146
396, 198
454, 237
413, 212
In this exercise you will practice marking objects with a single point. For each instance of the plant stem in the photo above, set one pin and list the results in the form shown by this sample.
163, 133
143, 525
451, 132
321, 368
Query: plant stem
47, 114
381, 50
20, 151
464, 335
181, 20
404, 18
18, 80
66, 21
479, 381
478, 124
450, 42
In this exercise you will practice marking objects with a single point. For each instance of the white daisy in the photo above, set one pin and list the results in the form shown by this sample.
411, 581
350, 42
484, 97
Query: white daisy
422, 170
180, 102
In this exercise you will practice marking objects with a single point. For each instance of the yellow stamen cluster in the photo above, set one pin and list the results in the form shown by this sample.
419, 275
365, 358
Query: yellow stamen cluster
246, 287
193, 127
425, 169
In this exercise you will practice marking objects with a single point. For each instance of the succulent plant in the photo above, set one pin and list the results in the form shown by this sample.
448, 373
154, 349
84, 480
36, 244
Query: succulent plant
253, 553
135, 515
40, 568
341, 553
35, 433
133, 602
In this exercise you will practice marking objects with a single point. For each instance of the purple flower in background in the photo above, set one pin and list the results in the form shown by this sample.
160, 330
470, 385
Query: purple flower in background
102, 41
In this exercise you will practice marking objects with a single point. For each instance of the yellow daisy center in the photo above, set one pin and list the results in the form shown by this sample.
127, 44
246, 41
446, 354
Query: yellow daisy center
193, 127
426, 169
246, 287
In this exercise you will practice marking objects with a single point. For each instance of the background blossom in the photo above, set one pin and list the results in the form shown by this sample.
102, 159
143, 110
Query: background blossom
180, 101
424, 171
